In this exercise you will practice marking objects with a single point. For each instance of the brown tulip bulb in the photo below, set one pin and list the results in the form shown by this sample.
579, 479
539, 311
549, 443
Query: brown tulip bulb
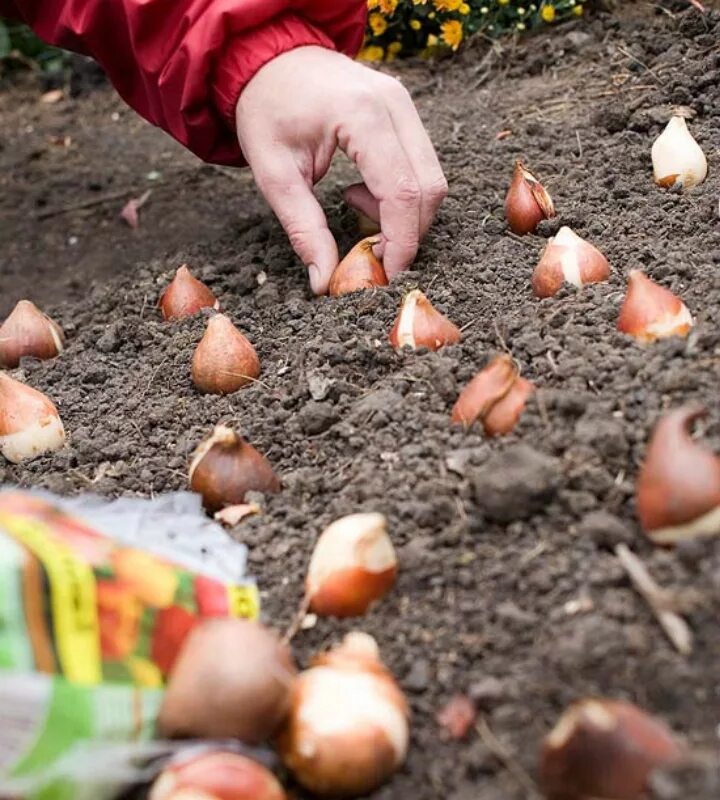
677, 495
185, 296
225, 468
29, 332
419, 324
216, 775
360, 269
348, 726
527, 202
568, 258
651, 311
604, 749
232, 679
29, 422
496, 396
224, 360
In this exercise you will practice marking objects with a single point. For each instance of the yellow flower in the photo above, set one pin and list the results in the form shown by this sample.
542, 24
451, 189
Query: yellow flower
419, 2
548, 13
415, 24
464, 8
378, 24
393, 49
578, 10
503, 2
447, 5
388, 7
432, 40
371, 53
452, 33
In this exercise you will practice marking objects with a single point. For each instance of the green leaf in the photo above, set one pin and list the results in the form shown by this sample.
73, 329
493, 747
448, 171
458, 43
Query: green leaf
5, 45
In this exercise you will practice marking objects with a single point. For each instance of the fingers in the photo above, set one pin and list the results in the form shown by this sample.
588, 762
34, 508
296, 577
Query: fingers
370, 139
291, 197
358, 197
420, 152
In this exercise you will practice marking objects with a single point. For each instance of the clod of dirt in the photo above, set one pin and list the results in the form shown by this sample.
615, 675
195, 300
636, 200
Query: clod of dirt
516, 484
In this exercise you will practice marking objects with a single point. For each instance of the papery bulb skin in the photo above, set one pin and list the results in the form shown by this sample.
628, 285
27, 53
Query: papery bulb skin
678, 160
352, 566
568, 258
216, 775
30, 425
650, 311
185, 296
225, 468
224, 360
29, 332
677, 495
496, 396
420, 324
606, 749
348, 727
360, 269
527, 202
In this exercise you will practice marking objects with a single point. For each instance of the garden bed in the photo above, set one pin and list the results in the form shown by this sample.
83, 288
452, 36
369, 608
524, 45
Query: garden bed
508, 586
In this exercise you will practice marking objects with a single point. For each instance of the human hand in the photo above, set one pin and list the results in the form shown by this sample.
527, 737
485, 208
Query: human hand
291, 117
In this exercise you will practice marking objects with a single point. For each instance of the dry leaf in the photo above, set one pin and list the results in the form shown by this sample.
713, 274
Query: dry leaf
231, 515
52, 97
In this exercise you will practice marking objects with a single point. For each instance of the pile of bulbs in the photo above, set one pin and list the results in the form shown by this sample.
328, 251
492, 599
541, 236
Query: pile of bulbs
341, 726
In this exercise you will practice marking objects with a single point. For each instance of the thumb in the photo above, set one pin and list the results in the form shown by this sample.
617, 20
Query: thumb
291, 197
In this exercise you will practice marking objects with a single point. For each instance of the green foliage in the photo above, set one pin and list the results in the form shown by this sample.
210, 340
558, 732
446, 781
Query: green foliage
20, 46
400, 27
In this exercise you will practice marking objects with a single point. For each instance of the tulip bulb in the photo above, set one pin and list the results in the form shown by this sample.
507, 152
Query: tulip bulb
29, 423
225, 467
604, 749
216, 775
185, 296
360, 269
496, 395
677, 495
678, 160
568, 258
232, 679
29, 332
419, 324
651, 311
352, 566
527, 202
348, 726
224, 361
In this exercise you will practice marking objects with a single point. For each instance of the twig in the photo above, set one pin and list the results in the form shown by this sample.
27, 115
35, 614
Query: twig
498, 749
673, 624
46, 213
297, 620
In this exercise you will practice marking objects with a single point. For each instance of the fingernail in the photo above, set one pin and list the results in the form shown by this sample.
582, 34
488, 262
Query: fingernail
314, 276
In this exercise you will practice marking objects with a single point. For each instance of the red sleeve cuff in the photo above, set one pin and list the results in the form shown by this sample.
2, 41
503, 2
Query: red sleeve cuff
247, 53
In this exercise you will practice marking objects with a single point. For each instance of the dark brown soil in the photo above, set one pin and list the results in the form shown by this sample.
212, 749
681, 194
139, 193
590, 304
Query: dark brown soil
498, 540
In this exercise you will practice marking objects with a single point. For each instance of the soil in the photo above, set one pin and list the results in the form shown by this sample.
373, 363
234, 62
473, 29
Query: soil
509, 589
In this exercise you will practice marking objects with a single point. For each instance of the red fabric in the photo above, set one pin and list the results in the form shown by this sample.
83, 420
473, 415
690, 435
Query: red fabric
183, 63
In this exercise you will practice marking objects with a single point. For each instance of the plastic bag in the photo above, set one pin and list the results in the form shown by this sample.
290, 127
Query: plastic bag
96, 599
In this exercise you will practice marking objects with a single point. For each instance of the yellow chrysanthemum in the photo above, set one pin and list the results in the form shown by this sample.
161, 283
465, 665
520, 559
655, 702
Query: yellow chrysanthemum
548, 13
419, 2
464, 8
371, 53
447, 5
378, 24
452, 33
393, 49
388, 6
578, 10
432, 40
415, 24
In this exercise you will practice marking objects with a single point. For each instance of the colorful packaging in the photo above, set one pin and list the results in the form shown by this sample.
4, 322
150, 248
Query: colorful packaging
96, 599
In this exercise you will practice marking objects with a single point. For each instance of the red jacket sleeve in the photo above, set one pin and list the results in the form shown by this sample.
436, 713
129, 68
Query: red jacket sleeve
183, 63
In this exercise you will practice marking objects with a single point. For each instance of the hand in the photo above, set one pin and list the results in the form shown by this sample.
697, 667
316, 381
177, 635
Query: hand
292, 116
